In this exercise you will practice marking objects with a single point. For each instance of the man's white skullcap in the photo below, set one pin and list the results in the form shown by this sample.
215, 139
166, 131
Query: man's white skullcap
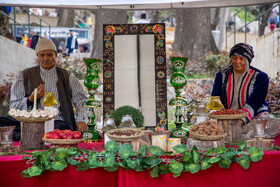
44, 44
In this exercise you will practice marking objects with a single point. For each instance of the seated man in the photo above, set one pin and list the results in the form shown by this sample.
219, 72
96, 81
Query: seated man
241, 86
47, 77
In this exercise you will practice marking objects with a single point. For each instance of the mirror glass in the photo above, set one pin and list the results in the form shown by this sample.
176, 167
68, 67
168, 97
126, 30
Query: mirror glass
135, 83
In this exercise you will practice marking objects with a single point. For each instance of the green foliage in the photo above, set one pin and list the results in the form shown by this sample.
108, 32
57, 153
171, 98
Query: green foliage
205, 164
182, 148
244, 161
137, 116
225, 162
241, 14
242, 146
150, 158
176, 168
256, 154
112, 146
155, 150
213, 63
154, 172
126, 151
192, 168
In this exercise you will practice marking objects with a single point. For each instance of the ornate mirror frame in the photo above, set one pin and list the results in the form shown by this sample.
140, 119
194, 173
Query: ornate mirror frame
109, 33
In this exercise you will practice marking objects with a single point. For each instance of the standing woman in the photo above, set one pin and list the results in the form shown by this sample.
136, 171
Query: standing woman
243, 87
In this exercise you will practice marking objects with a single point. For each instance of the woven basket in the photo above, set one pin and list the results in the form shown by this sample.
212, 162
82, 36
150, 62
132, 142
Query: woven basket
235, 116
117, 138
197, 136
63, 141
31, 120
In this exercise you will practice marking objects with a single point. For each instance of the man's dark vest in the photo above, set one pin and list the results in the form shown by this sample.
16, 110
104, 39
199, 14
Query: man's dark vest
32, 80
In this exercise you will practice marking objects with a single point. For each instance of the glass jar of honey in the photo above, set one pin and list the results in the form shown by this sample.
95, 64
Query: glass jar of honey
215, 103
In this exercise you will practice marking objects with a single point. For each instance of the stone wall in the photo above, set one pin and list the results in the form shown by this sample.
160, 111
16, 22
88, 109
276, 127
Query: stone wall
267, 53
14, 57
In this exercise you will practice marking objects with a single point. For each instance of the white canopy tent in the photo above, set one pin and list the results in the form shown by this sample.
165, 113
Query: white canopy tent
131, 4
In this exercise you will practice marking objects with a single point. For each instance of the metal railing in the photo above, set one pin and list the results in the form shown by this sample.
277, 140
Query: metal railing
244, 26
15, 23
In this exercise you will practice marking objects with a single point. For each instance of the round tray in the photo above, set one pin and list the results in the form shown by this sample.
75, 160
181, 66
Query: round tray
124, 138
63, 141
235, 116
31, 120
207, 138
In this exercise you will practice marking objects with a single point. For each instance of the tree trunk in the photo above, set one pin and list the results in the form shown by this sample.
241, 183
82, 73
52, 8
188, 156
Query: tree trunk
155, 17
264, 18
105, 17
223, 13
215, 19
179, 34
65, 18
198, 40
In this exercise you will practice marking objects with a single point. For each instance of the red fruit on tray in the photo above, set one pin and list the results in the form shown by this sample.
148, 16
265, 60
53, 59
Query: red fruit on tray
52, 135
55, 135
68, 131
60, 132
67, 135
48, 135
76, 135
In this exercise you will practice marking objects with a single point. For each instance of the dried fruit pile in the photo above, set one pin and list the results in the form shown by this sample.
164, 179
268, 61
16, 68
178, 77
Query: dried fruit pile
207, 128
227, 112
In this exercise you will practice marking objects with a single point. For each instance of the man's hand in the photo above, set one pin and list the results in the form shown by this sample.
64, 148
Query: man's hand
82, 126
40, 93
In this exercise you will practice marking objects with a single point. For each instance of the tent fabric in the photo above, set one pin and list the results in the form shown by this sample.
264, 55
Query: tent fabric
131, 4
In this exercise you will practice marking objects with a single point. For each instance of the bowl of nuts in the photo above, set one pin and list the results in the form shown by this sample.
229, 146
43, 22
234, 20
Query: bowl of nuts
228, 114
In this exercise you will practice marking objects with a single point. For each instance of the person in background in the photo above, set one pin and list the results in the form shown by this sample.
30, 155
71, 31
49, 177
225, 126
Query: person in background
24, 40
61, 48
143, 19
47, 77
173, 21
243, 87
72, 43
272, 27
83, 48
277, 20
34, 39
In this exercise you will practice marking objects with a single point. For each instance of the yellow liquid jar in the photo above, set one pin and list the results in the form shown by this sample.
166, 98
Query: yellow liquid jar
215, 103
